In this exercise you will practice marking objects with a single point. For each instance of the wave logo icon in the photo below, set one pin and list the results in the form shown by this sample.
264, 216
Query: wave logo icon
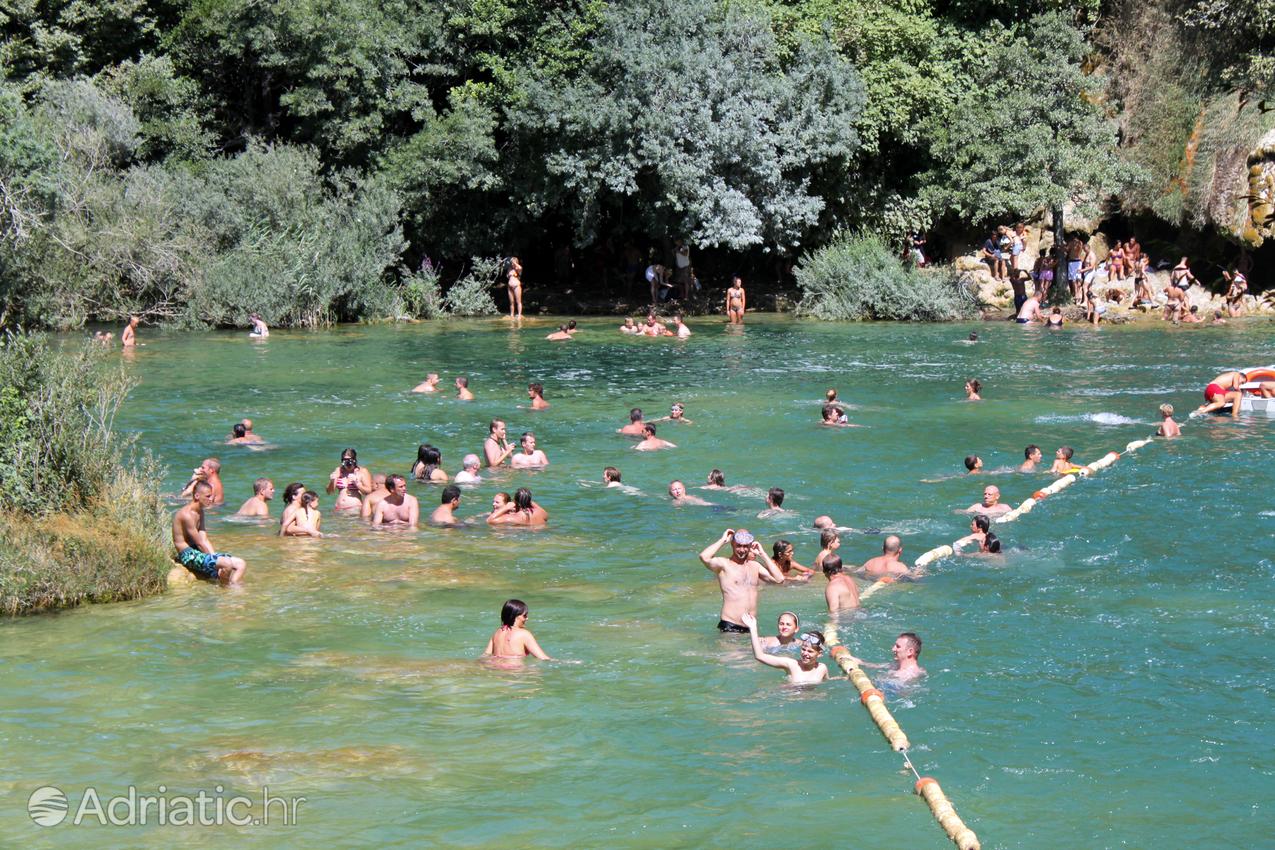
47, 806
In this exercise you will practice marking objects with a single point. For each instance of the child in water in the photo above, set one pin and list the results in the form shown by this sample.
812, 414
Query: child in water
1062, 461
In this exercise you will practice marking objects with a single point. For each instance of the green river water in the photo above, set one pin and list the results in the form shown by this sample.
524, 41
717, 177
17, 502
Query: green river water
1108, 683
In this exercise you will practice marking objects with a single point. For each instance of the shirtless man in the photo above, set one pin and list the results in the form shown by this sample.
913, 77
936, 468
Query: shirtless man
495, 448
128, 338
739, 577
1032, 455
835, 417
677, 492
679, 327
611, 477
635, 426
906, 649
522, 510
429, 385
1168, 428
806, 669
1223, 390
887, 563
445, 514
531, 456
378, 494
469, 470
462, 389
560, 334
194, 551
991, 504
249, 436
238, 435
650, 442
774, 504
536, 392
1030, 311
258, 505
210, 472
397, 508
841, 593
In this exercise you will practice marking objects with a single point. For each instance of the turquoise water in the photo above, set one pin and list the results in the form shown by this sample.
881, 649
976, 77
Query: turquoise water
1106, 684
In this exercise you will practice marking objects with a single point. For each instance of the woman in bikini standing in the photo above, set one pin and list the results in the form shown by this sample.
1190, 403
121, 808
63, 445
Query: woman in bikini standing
350, 482
515, 287
512, 639
735, 301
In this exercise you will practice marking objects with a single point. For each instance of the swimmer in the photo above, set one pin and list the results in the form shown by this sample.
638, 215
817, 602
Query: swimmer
677, 492
991, 504
823, 521
1168, 428
259, 328
906, 650
428, 465
835, 417
972, 388
774, 504
238, 435
1055, 319
628, 327
305, 518
495, 449
782, 555
716, 480
1223, 390
739, 577
611, 477
841, 593
349, 481
676, 413
259, 504
973, 464
635, 426
248, 435
1032, 456
560, 334
1062, 461
397, 508
829, 542
680, 328
208, 471
429, 385
536, 392
973, 337
128, 338
980, 535
462, 389
806, 669
531, 456
512, 640
291, 504
788, 624
521, 511
469, 470
374, 498
650, 442
195, 551
888, 562
497, 502
445, 514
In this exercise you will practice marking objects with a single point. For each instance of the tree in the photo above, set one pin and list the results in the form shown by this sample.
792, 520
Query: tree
684, 121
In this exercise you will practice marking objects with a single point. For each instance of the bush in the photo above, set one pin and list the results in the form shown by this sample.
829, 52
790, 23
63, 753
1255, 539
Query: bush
77, 522
422, 296
471, 295
858, 277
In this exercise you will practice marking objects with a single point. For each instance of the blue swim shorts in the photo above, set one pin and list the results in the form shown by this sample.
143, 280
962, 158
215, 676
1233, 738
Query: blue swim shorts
201, 564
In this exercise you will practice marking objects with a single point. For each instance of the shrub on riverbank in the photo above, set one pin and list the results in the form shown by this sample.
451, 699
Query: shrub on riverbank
857, 276
78, 523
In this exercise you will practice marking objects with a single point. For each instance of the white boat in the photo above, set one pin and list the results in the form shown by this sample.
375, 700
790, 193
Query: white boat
1251, 403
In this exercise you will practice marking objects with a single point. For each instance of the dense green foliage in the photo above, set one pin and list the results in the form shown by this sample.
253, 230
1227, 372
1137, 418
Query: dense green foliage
78, 522
195, 160
856, 277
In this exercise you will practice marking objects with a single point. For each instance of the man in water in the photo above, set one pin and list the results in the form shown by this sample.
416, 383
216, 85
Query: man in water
378, 494
887, 563
739, 576
495, 449
823, 521
650, 442
429, 385
1168, 428
128, 338
806, 669
991, 504
560, 334
469, 470
676, 414
238, 435
194, 550
445, 514
635, 426
531, 456
611, 477
841, 593
834, 416
258, 505
249, 436
1032, 455
536, 392
1030, 311
973, 464
209, 471
1223, 390
397, 508
677, 492
774, 504
462, 389
906, 650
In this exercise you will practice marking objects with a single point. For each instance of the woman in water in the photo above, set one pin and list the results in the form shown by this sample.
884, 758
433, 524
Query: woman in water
521, 511
972, 387
716, 480
512, 639
291, 504
514, 282
304, 520
259, 328
427, 465
789, 623
350, 482
980, 534
736, 301
783, 559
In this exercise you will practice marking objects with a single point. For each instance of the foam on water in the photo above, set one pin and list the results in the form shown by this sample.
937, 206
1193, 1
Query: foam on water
1096, 418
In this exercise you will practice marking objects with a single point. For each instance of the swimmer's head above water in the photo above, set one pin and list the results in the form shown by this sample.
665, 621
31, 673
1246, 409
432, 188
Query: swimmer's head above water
716, 478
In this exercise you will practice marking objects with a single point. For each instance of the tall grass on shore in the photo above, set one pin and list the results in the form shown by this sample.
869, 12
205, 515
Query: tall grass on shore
81, 519
857, 277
